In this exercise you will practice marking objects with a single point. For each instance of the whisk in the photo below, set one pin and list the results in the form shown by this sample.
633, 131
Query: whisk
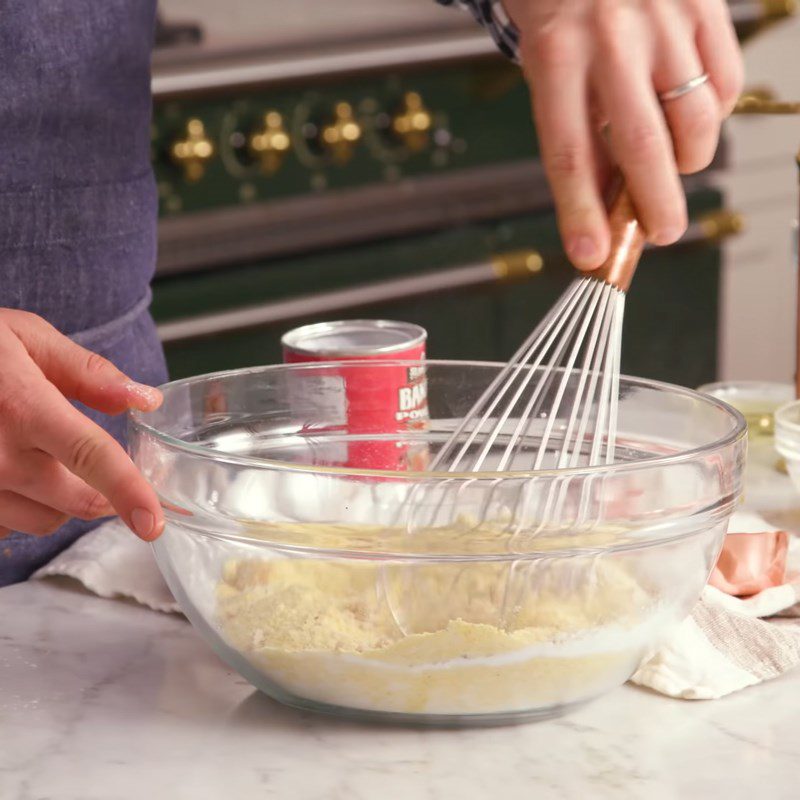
560, 389
553, 406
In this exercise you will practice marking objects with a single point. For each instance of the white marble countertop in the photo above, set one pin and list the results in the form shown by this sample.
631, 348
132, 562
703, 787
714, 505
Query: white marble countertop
104, 700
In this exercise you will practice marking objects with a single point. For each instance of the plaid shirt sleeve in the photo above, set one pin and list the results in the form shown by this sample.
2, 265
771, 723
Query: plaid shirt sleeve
492, 15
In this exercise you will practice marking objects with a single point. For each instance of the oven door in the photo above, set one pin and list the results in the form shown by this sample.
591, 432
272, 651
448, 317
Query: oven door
478, 290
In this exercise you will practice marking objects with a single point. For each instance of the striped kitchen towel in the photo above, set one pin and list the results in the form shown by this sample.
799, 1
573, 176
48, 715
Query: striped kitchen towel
729, 643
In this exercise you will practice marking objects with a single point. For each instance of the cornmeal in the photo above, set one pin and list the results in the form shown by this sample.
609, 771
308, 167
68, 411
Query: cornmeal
443, 638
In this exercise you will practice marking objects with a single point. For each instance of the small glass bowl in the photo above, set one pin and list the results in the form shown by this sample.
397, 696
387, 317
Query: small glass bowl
757, 400
787, 438
767, 488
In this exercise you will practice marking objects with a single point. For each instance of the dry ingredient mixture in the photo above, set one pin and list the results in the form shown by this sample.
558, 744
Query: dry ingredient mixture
443, 638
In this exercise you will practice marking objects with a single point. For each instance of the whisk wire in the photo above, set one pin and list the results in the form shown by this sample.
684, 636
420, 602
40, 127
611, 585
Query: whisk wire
516, 363
575, 352
571, 451
519, 365
607, 410
550, 329
587, 379
565, 379
531, 411
556, 401
616, 350
529, 369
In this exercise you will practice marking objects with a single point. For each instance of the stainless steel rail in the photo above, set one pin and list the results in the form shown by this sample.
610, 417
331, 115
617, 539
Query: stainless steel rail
516, 265
182, 79
168, 81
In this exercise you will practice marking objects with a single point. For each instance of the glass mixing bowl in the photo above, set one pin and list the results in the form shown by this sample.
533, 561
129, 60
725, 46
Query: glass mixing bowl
429, 597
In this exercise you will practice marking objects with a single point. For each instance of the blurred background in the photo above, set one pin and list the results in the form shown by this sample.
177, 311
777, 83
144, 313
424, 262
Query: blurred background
373, 158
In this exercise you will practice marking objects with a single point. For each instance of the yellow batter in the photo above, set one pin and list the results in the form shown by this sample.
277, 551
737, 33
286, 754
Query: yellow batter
444, 638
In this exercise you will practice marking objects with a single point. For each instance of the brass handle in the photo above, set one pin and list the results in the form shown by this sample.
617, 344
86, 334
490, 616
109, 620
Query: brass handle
778, 9
517, 264
413, 123
751, 17
761, 100
271, 143
707, 228
341, 136
193, 153
721, 224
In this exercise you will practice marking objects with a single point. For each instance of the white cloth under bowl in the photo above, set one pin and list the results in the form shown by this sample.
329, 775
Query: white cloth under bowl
726, 644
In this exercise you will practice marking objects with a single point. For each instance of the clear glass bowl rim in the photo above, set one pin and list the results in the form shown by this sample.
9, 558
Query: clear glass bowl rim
787, 430
782, 414
764, 390
140, 426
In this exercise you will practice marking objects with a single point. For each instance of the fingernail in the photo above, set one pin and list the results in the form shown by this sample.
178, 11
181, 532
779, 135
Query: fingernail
668, 236
582, 248
145, 398
142, 522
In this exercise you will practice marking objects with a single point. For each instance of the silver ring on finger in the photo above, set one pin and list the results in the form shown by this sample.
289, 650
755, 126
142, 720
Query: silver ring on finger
683, 89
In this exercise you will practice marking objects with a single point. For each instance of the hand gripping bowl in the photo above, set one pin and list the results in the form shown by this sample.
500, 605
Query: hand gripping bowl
423, 597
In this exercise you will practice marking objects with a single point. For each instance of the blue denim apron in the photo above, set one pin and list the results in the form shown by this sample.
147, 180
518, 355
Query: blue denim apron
77, 194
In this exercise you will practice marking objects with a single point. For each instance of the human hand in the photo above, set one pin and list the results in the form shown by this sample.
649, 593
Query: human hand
593, 63
55, 463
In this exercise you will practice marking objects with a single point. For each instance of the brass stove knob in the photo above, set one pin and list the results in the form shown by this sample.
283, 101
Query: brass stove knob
778, 9
721, 224
270, 144
412, 124
193, 152
341, 136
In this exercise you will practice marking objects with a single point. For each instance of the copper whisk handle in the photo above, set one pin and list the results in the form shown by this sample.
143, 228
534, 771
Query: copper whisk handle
627, 242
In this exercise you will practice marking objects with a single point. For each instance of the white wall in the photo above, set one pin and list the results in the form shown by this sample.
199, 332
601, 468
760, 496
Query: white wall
759, 284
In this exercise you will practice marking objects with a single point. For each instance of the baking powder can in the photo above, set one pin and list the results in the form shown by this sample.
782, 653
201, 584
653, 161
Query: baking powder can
380, 408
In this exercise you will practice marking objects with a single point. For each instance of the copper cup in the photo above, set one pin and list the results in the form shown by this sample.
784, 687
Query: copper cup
751, 562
